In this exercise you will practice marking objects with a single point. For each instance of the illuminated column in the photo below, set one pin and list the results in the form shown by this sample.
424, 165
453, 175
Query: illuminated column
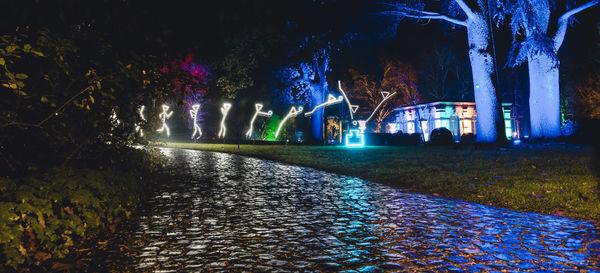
194, 115
224, 110
258, 107
293, 112
163, 118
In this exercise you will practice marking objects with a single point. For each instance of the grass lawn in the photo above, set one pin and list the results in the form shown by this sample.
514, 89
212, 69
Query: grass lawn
550, 179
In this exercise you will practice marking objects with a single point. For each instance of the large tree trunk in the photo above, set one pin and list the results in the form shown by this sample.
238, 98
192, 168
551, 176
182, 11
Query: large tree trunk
316, 120
544, 96
490, 124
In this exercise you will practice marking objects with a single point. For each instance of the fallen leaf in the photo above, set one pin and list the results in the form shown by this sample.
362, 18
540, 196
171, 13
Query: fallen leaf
61, 267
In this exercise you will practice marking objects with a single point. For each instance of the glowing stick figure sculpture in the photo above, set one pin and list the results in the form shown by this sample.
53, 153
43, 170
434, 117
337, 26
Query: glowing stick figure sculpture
258, 107
138, 127
293, 112
330, 100
351, 107
163, 118
224, 110
194, 115
362, 124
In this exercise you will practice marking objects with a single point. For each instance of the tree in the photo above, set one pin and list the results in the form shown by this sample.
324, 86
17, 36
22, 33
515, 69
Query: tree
587, 95
475, 17
397, 77
443, 75
306, 83
534, 43
58, 95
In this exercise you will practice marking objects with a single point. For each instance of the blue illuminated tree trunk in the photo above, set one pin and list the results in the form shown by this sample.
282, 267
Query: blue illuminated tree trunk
544, 96
316, 120
490, 125
318, 90
540, 50
489, 119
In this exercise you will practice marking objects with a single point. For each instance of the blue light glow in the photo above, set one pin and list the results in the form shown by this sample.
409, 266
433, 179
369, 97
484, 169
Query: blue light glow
355, 139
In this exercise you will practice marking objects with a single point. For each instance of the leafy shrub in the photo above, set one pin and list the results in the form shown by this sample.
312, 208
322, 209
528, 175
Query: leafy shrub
42, 216
441, 136
467, 139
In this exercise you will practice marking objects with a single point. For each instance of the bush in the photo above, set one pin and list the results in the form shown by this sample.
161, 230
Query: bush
441, 136
467, 139
43, 215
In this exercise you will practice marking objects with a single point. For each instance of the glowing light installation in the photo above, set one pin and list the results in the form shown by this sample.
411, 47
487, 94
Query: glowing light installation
163, 118
293, 112
330, 101
362, 124
357, 136
224, 110
138, 127
194, 115
351, 107
258, 107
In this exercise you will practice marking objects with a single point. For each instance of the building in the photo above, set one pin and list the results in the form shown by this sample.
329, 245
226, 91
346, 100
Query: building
458, 117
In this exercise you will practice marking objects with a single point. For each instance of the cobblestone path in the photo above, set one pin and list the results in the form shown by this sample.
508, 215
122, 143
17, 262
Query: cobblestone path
231, 213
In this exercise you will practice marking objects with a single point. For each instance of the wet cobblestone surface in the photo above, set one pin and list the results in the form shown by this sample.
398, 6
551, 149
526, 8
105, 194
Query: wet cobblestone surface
225, 212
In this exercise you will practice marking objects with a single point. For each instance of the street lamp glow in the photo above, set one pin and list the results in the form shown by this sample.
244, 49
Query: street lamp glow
293, 112
258, 107
163, 118
194, 115
224, 110
330, 100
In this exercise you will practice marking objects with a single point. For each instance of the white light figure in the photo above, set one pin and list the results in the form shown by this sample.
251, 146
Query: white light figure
224, 110
163, 118
138, 127
362, 124
258, 107
293, 112
351, 107
330, 100
194, 115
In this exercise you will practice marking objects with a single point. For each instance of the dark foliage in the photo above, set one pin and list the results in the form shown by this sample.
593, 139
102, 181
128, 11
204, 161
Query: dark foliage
441, 136
467, 139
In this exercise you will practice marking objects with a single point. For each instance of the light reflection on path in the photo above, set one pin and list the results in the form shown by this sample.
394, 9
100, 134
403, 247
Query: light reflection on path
225, 212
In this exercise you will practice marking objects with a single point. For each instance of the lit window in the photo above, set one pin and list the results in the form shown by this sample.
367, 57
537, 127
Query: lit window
410, 127
467, 126
438, 123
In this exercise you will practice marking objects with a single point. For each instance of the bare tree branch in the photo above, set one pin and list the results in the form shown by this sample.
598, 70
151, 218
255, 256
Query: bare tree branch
426, 15
563, 22
465, 8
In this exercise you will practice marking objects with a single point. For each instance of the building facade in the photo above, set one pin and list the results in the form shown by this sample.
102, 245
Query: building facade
458, 117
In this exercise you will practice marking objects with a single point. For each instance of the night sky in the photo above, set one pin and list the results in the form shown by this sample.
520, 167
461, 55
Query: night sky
177, 28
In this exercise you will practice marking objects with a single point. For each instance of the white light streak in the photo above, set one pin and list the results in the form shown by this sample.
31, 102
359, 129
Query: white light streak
351, 107
138, 127
224, 110
163, 118
258, 107
386, 95
293, 112
194, 115
330, 100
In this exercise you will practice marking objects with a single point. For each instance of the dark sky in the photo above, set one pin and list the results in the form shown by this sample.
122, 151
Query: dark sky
203, 27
